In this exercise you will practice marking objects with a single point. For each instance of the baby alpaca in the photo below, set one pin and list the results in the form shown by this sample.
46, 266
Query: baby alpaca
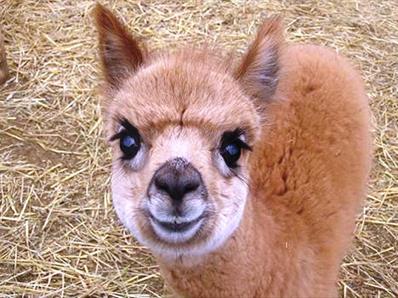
243, 179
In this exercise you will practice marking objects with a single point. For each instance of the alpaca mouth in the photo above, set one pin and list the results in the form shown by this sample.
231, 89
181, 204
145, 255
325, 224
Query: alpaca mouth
176, 231
176, 226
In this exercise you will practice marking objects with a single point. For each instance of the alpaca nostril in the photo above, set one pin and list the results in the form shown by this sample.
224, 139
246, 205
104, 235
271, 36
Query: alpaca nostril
175, 181
191, 186
161, 184
175, 187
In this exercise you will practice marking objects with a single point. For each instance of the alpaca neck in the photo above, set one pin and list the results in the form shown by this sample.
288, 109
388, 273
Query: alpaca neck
236, 260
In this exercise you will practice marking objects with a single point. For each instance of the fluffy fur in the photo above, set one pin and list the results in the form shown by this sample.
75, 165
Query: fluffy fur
280, 224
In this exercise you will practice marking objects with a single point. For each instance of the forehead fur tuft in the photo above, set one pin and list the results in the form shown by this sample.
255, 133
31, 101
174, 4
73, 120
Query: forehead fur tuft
190, 87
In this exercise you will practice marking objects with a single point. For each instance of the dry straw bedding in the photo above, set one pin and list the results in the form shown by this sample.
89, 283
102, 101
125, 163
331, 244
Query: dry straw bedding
58, 232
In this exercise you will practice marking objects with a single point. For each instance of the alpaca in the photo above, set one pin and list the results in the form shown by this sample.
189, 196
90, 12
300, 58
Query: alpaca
243, 179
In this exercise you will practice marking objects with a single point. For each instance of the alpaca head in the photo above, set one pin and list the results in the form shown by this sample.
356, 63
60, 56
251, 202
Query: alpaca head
182, 126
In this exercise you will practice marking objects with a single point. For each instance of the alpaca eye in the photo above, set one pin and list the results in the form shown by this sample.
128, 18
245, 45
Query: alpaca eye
129, 145
231, 147
129, 139
231, 153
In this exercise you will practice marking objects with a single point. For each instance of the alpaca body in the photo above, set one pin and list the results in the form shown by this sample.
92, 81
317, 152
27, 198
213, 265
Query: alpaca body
308, 181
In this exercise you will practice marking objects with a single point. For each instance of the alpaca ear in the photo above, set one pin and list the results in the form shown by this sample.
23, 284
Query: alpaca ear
258, 71
119, 52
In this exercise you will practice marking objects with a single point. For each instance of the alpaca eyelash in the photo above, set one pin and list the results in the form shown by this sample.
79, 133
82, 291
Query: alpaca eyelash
116, 136
235, 136
126, 128
244, 145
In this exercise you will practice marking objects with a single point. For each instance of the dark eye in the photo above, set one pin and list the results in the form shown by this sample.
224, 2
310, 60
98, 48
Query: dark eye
231, 153
129, 145
129, 139
232, 146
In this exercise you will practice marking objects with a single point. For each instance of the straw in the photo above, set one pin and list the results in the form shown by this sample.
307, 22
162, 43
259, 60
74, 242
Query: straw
59, 235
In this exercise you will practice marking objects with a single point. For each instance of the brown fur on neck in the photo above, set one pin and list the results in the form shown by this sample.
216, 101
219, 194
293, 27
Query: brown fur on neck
308, 181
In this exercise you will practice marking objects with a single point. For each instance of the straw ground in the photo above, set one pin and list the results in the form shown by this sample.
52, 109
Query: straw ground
58, 233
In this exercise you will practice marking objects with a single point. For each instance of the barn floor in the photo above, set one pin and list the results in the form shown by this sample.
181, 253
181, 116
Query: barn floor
58, 232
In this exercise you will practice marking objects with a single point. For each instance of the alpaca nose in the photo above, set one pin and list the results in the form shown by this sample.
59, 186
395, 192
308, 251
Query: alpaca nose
177, 178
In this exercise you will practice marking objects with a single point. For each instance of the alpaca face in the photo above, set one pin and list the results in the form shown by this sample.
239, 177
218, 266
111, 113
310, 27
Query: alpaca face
181, 137
181, 127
